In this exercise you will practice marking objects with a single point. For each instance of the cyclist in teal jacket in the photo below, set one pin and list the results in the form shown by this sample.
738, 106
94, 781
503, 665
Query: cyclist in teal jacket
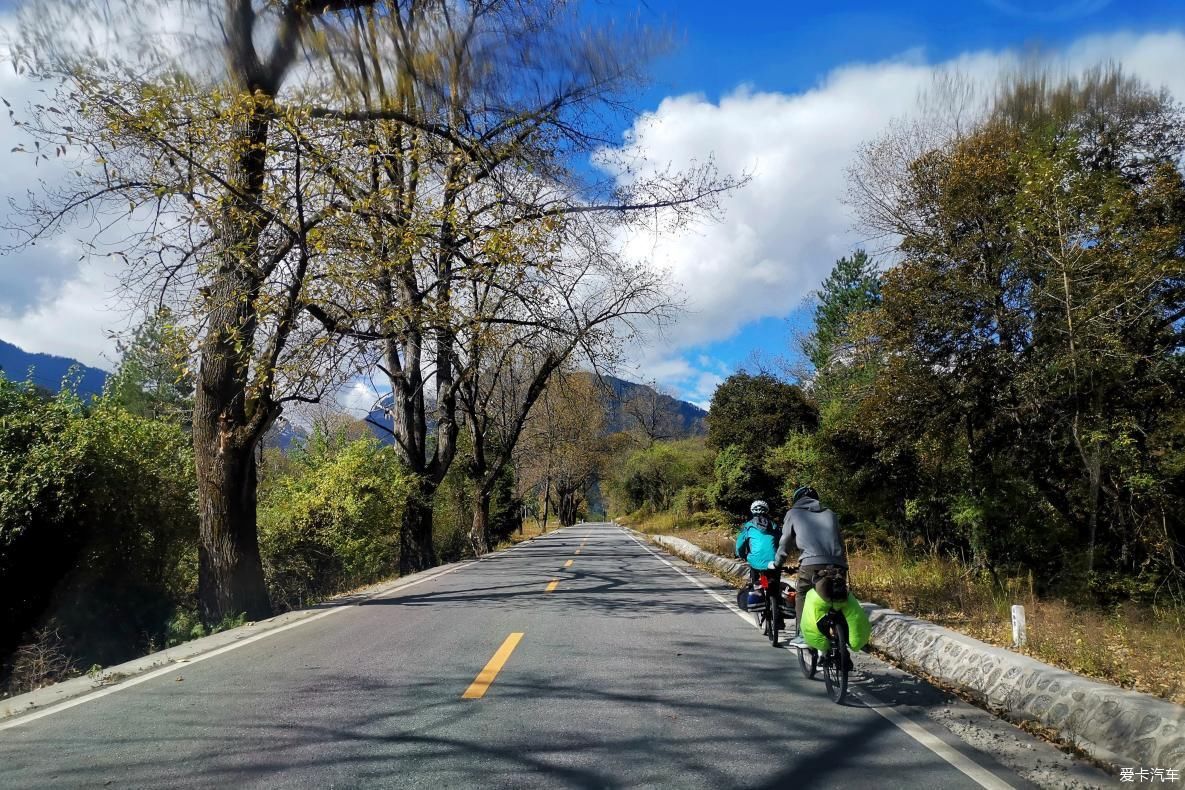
758, 545
758, 542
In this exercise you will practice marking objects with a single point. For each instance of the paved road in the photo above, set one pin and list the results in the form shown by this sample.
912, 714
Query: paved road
627, 674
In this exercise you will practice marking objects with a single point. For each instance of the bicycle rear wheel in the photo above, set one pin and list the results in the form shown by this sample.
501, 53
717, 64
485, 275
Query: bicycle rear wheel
835, 670
775, 610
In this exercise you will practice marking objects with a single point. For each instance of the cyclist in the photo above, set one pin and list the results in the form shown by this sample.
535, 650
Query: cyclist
814, 531
757, 543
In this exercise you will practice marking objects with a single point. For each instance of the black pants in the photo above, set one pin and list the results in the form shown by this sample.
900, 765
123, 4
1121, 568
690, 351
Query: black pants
803, 584
775, 583
755, 574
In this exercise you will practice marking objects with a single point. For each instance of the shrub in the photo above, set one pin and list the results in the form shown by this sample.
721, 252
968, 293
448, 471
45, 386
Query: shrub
691, 500
651, 477
330, 522
739, 480
98, 524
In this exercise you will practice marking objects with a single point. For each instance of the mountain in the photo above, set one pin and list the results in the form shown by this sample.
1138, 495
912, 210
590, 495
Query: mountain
284, 434
49, 370
630, 405
379, 417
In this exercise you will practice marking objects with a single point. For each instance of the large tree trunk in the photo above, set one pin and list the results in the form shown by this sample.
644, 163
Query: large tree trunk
226, 427
567, 505
479, 535
417, 552
230, 573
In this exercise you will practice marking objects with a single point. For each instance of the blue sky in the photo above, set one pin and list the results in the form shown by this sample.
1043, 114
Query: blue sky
791, 49
784, 92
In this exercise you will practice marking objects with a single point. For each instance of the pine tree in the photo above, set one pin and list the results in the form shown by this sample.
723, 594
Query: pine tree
853, 287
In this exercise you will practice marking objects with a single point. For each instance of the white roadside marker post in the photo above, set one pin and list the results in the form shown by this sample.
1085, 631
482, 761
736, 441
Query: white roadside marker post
1019, 639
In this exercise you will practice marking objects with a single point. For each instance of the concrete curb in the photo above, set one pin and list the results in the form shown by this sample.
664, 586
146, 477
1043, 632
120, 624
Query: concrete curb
690, 551
47, 696
1113, 725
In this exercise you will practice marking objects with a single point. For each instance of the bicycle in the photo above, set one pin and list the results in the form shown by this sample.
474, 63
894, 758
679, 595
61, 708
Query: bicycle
772, 614
836, 661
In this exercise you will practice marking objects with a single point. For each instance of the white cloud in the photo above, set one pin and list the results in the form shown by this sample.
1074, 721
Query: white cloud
357, 398
77, 320
54, 298
778, 239
782, 233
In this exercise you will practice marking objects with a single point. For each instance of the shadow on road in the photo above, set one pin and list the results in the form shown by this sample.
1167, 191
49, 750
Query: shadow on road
535, 731
589, 701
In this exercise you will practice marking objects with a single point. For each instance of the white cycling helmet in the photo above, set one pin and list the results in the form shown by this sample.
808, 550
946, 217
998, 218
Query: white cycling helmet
759, 508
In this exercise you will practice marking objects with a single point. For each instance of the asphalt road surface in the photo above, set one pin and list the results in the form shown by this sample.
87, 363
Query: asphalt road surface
628, 670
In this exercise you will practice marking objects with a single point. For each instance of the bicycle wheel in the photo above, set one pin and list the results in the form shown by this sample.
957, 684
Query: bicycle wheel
808, 661
835, 670
774, 612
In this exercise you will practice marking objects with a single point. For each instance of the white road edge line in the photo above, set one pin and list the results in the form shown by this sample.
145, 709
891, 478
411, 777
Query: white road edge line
981, 776
20, 719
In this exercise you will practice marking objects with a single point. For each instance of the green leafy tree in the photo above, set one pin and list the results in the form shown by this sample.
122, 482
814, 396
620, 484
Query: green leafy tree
325, 519
652, 476
153, 379
1029, 341
739, 480
756, 413
98, 524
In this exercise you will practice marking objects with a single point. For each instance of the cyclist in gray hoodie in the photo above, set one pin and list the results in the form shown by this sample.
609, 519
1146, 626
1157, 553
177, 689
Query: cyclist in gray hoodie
813, 530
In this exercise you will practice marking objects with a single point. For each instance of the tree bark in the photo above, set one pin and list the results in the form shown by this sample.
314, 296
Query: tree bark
226, 428
230, 572
1095, 472
479, 535
417, 552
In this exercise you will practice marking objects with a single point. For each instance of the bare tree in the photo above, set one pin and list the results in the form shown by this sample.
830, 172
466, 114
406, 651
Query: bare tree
580, 304
464, 172
651, 414
180, 141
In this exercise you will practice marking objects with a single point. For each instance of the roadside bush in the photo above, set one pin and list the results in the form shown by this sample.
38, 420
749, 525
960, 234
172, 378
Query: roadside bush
691, 500
652, 477
98, 525
40, 662
330, 521
795, 463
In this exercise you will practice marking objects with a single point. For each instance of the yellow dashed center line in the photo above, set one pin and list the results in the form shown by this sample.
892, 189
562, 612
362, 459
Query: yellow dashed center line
551, 585
568, 564
481, 683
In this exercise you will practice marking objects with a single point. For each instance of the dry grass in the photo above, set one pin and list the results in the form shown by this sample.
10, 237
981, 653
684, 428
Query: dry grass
1130, 645
718, 540
532, 528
